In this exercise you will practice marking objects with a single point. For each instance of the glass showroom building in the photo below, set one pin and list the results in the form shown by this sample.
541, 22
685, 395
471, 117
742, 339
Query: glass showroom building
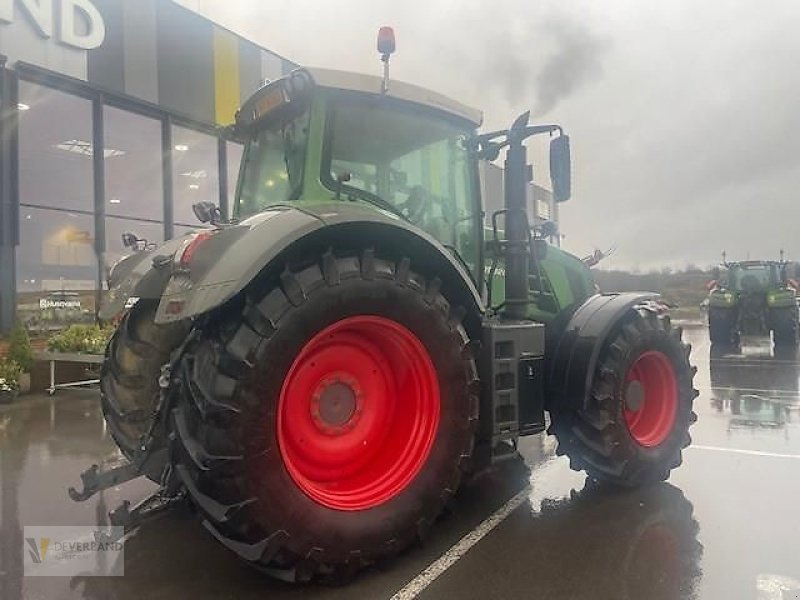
110, 124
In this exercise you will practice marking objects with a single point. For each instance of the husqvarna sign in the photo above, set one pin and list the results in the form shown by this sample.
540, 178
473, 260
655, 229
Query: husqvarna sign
75, 23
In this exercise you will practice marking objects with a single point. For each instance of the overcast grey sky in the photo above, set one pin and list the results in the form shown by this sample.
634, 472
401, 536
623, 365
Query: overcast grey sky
684, 115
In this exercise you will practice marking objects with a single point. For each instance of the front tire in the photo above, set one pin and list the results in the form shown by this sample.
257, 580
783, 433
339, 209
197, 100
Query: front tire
640, 406
325, 424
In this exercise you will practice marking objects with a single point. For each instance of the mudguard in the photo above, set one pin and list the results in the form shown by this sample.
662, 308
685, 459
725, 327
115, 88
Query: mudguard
578, 350
224, 263
135, 277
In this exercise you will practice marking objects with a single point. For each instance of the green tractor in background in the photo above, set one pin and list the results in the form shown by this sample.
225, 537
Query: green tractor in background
318, 374
753, 297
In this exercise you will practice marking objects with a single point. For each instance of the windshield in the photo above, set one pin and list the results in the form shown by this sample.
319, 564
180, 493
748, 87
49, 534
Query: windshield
407, 160
754, 277
272, 167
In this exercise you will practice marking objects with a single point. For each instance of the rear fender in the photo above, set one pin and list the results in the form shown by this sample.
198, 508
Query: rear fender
223, 265
220, 266
578, 350
781, 299
229, 261
134, 277
722, 299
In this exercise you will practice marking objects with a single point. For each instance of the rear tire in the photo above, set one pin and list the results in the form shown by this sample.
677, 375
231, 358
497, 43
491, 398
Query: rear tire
129, 388
722, 326
250, 438
640, 406
783, 322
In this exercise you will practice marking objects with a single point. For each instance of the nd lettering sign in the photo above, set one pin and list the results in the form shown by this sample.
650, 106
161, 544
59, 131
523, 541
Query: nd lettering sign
75, 23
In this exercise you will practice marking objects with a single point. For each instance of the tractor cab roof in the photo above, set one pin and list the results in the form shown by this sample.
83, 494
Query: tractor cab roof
754, 263
370, 84
284, 97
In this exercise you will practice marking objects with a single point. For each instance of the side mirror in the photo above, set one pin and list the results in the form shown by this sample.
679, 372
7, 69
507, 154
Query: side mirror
129, 240
561, 168
548, 229
207, 212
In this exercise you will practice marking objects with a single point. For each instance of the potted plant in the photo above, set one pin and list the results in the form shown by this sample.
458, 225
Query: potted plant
9, 380
19, 350
80, 339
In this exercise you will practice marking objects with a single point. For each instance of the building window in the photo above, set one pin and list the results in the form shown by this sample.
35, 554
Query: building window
134, 191
195, 165
56, 268
55, 149
56, 259
134, 178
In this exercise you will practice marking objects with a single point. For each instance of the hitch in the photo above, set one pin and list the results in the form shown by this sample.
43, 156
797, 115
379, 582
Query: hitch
96, 478
147, 510
147, 460
114, 472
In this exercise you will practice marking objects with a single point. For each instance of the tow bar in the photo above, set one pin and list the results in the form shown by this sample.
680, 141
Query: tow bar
112, 473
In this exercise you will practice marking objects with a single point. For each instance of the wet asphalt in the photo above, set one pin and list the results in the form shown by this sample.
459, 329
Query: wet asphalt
726, 525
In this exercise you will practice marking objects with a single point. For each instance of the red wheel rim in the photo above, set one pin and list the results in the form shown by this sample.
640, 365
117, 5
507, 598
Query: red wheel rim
651, 398
358, 413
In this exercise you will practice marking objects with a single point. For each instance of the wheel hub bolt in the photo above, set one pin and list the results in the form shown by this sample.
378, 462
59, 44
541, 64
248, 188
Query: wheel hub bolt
336, 405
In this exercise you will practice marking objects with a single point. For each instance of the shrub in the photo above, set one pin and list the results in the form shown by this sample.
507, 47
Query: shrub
19, 348
10, 372
81, 339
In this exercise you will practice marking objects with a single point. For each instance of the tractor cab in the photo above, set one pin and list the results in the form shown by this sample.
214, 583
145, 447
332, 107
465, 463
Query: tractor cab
758, 276
319, 137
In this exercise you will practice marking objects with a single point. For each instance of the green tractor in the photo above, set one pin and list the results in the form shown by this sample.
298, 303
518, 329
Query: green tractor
319, 374
753, 297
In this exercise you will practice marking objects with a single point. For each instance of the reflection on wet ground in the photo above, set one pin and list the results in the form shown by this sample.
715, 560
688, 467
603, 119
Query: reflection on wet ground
725, 526
756, 386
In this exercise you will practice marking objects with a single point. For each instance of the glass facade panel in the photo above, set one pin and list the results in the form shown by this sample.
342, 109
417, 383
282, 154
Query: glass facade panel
56, 260
134, 178
195, 177
56, 268
55, 138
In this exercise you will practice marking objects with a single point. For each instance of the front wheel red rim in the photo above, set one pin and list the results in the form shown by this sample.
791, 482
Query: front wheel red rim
651, 398
358, 413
